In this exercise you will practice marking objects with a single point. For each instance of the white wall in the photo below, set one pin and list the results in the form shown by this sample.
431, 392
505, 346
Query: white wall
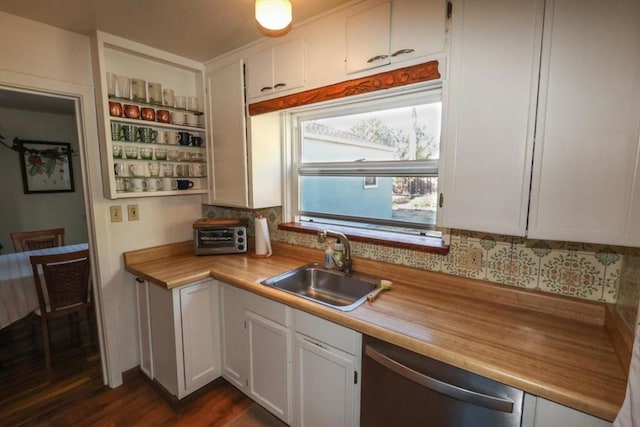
44, 58
25, 212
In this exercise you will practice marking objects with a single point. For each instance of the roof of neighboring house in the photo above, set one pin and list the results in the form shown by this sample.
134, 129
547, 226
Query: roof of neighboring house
324, 130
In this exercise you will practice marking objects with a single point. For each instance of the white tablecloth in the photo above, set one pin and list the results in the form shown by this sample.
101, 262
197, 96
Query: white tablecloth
18, 295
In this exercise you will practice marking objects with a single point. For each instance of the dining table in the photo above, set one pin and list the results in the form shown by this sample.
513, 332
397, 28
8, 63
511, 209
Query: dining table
18, 296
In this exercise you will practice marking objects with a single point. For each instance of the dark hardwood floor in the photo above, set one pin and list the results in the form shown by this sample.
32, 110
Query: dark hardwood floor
74, 395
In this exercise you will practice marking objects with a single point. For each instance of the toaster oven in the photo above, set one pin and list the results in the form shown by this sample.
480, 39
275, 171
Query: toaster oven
214, 236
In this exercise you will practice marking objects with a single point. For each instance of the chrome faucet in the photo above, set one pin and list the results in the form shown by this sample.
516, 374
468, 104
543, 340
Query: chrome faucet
345, 263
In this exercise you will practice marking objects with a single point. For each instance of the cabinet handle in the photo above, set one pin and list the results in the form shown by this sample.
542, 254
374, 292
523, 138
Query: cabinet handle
402, 52
441, 200
279, 85
139, 280
453, 391
266, 88
377, 58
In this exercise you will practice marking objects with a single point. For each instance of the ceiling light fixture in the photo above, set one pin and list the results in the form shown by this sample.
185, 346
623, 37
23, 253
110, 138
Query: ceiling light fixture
273, 14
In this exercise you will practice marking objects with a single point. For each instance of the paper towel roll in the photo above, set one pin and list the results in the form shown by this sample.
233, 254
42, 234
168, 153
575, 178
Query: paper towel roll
263, 243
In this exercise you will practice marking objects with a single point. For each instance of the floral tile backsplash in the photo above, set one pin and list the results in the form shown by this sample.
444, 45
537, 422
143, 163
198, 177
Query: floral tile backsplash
580, 270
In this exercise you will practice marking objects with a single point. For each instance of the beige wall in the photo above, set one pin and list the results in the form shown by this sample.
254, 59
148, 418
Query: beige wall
46, 59
24, 212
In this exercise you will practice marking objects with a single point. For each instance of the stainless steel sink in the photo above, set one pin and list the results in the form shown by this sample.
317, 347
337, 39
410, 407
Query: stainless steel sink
329, 287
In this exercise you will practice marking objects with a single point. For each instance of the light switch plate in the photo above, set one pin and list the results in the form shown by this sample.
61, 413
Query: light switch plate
134, 213
116, 213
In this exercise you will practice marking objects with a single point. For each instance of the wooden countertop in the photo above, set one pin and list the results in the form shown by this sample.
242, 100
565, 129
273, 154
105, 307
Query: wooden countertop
550, 346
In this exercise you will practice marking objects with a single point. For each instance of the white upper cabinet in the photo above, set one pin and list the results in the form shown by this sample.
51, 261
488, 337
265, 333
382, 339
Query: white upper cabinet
586, 182
395, 31
277, 69
246, 168
490, 107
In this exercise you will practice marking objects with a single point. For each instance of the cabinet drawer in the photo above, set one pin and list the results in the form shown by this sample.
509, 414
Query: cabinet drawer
267, 308
328, 332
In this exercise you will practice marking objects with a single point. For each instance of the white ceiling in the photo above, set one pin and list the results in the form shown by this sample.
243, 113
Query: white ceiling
196, 29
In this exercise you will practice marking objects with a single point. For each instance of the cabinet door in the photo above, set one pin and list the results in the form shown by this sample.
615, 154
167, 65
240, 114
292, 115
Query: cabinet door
229, 185
260, 74
269, 362
144, 327
234, 338
326, 385
488, 140
200, 334
288, 65
417, 28
368, 35
586, 180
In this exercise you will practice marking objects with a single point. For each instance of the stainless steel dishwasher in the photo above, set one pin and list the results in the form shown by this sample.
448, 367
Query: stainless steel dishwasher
402, 388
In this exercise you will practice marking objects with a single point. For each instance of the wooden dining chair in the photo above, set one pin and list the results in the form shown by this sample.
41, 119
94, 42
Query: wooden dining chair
32, 240
63, 285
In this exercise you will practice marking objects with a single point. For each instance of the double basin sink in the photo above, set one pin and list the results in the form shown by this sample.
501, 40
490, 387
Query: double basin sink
329, 287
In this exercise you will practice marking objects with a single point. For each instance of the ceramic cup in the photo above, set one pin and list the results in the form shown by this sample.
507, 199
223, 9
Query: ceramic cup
139, 90
134, 185
184, 156
185, 138
147, 113
178, 117
195, 169
196, 141
192, 119
137, 169
193, 103
124, 87
151, 184
155, 93
127, 133
184, 184
163, 116
131, 111
115, 109
153, 168
172, 137
182, 171
145, 134
120, 169
116, 132
169, 184
167, 169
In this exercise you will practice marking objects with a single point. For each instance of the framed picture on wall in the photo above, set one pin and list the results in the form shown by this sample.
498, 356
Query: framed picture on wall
46, 167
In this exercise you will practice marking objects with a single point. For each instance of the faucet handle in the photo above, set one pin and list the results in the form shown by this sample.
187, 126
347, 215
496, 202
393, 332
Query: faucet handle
322, 235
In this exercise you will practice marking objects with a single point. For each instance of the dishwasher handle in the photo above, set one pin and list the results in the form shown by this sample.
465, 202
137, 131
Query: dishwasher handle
455, 392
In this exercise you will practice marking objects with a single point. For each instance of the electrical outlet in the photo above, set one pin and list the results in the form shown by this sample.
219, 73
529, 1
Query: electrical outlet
473, 259
134, 213
116, 213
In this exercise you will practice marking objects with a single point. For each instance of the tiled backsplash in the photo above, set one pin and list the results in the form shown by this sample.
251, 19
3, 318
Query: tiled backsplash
580, 270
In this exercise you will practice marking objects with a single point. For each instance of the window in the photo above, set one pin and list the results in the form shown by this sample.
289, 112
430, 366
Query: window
370, 163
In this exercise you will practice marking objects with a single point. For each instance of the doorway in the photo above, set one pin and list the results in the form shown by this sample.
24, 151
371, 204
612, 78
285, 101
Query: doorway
36, 116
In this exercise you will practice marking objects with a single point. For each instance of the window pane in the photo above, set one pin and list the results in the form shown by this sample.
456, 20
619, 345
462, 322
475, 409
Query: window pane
387, 199
406, 133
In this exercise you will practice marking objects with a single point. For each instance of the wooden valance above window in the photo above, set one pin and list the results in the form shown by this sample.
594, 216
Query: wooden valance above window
390, 79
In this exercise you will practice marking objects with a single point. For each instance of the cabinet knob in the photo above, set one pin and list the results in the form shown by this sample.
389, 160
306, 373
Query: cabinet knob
266, 88
402, 52
279, 85
139, 280
377, 58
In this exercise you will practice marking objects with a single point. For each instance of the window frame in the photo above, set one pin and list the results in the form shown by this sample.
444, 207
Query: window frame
419, 93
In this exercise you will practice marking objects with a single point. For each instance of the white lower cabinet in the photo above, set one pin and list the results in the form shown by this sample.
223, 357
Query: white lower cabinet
539, 412
179, 335
256, 342
326, 373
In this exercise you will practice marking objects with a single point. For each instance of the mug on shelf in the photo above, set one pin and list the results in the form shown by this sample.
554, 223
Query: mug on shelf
192, 119
133, 185
152, 184
145, 134
120, 187
185, 138
115, 109
177, 117
167, 169
120, 169
181, 102
147, 113
137, 169
131, 111
172, 137
154, 168
193, 104
163, 116
184, 184
169, 184
196, 141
